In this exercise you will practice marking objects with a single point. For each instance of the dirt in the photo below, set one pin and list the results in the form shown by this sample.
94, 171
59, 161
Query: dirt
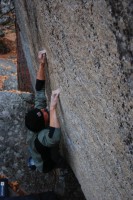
9, 39
10, 42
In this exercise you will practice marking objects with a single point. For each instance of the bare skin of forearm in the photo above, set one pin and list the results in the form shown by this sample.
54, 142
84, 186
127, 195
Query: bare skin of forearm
41, 72
54, 122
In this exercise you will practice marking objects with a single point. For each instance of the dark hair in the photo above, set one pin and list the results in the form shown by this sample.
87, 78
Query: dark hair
34, 120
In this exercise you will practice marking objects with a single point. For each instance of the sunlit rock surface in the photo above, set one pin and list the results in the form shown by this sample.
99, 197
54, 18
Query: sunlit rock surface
89, 51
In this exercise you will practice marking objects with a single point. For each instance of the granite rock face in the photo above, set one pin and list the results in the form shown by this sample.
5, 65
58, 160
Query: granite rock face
89, 48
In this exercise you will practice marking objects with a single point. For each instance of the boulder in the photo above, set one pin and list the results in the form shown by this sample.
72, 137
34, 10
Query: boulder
89, 56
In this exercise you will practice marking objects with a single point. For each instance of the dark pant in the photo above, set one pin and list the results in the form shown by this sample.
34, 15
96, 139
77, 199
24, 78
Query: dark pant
57, 158
50, 156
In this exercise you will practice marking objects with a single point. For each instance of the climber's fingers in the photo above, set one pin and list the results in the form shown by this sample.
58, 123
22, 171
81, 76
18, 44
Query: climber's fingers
42, 56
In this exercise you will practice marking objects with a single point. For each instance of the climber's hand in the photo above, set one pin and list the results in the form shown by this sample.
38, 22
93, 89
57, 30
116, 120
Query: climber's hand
42, 56
54, 98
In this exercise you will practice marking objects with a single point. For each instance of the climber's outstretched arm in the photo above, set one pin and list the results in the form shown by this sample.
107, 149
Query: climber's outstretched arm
54, 122
40, 97
42, 61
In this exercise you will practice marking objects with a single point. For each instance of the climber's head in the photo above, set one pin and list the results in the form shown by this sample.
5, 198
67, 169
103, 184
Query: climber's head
37, 119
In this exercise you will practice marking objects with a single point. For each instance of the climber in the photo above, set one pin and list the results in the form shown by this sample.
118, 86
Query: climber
44, 126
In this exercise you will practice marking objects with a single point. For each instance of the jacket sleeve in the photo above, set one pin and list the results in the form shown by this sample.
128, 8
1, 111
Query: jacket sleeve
50, 137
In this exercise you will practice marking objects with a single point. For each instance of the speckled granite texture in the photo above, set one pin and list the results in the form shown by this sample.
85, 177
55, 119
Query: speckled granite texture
89, 48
